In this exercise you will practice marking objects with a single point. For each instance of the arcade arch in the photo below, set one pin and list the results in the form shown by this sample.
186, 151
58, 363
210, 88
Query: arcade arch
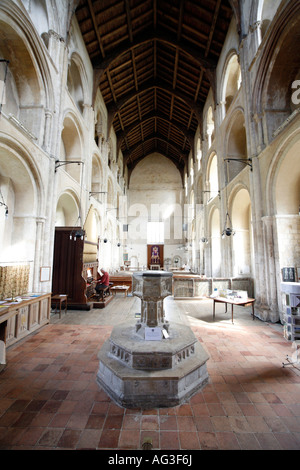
71, 147
242, 238
232, 82
21, 190
212, 177
67, 210
236, 145
77, 82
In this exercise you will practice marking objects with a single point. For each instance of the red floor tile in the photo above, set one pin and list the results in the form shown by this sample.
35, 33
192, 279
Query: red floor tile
168, 423
169, 440
189, 440
208, 441
49, 398
109, 439
129, 439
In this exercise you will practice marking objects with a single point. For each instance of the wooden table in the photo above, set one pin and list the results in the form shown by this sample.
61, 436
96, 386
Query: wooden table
241, 302
116, 289
58, 299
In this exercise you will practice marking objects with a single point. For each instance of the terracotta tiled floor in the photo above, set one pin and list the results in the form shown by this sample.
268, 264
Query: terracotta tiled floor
49, 398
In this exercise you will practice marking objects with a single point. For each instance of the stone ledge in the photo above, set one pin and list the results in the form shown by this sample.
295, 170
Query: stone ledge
133, 388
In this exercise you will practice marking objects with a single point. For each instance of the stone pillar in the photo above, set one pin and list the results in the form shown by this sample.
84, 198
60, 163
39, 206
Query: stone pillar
37, 286
48, 129
152, 287
271, 312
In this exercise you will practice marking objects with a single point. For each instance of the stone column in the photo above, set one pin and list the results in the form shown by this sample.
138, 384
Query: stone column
37, 286
269, 311
152, 287
47, 130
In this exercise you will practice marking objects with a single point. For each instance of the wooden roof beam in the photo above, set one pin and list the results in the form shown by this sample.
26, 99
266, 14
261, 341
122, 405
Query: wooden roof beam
148, 36
178, 150
116, 106
96, 27
129, 24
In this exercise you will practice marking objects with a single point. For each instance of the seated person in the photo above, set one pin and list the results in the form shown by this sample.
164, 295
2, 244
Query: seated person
103, 281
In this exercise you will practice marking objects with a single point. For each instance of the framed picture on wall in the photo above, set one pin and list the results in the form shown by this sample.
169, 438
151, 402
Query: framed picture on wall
45, 273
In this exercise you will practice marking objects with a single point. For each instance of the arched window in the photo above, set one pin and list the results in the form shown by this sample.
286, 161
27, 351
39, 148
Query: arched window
66, 211
97, 179
241, 242
185, 184
232, 82
236, 146
210, 126
191, 172
213, 180
199, 153
75, 82
24, 92
70, 148
110, 195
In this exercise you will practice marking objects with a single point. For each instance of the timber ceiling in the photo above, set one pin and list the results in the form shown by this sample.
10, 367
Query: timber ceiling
154, 62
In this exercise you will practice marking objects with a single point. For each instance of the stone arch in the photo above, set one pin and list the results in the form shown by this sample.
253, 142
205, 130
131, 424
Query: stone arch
191, 171
198, 152
22, 192
71, 145
99, 128
283, 196
92, 229
77, 81
212, 178
231, 81
29, 89
97, 178
278, 88
241, 217
110, 194
286, 192
67, 209
185, 183
272, 96
236, 144
266, 10
111, 155
210, 126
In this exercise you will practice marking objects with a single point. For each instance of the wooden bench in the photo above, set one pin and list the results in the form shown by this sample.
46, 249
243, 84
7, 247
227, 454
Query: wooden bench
102, 292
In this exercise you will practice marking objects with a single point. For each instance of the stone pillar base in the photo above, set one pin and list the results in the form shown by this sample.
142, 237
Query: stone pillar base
169, 371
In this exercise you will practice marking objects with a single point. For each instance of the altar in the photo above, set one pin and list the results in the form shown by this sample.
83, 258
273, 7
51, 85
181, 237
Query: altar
189, 285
